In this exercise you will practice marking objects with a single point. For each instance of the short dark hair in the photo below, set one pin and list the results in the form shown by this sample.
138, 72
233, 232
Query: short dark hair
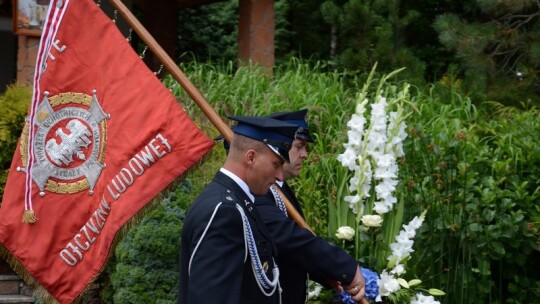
241, 143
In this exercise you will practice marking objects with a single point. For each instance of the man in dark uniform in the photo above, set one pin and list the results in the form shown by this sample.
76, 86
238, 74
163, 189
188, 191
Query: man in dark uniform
227, 254
301, 253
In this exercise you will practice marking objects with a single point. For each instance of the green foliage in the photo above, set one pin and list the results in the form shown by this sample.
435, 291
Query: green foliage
362, 33
146, 264
309, 36
374, 29
494, 44
14, 105
470, 170
210, 31
295, 85
474, 166
496, 41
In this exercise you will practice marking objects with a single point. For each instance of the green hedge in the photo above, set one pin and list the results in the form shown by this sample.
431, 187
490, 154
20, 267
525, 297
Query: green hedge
14, 105
474, 167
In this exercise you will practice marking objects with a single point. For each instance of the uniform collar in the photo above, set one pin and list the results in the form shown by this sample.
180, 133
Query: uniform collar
239, 181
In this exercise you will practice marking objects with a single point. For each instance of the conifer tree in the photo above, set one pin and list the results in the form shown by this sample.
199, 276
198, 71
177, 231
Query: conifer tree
365, 32
497, 42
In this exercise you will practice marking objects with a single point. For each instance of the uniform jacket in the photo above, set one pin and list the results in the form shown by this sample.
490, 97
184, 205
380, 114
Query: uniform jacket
300, 252
221, 270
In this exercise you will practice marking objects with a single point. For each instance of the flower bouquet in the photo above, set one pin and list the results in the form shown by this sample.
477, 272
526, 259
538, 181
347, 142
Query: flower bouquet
372, 153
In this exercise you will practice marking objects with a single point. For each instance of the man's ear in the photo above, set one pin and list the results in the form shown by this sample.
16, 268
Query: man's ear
250, 156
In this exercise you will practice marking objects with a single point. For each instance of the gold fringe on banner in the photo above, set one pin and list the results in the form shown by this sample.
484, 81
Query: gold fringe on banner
41, 293
29, 217
140, 215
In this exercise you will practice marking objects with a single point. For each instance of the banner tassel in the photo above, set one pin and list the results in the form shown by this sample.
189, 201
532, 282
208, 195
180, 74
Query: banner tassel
29, 217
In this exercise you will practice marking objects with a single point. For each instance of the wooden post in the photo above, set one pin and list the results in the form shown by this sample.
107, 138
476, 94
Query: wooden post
212, 115
173, 68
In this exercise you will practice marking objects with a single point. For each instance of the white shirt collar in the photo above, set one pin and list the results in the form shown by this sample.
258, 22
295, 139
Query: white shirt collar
239, 181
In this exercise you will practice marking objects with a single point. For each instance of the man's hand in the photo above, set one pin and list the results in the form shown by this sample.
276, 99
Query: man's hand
357, 288
336, 285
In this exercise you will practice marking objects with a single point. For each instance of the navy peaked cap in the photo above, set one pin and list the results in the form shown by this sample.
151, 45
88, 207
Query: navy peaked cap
297, 118
276, 134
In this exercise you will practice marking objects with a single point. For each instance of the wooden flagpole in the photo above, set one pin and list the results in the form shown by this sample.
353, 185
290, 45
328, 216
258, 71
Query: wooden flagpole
299, 220
173, 68
207, 109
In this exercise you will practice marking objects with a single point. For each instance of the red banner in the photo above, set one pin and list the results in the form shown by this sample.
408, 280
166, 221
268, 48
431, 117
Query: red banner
104, 137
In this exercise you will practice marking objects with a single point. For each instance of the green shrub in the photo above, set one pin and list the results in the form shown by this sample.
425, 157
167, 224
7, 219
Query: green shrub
474, 166
476, 171
145, 267
14, 105
146, 263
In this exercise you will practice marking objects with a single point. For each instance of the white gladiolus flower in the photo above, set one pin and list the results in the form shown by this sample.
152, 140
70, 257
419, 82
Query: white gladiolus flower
357, 123
372, 220
354, 201
348, 159
396, 130
402, 248
385, 160
345, 233
387, 284
355, 139
422, 299
353, 184
374, 146
416, 222
361, 107
381, 208
398, 270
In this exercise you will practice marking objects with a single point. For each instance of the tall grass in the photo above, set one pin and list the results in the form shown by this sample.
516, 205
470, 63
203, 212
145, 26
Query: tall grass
249, 91
474, 167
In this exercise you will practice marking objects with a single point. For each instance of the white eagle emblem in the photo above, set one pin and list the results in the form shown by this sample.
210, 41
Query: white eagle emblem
69, 143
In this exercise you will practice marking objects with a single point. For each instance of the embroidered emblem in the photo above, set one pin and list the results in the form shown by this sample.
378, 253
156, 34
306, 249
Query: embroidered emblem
279, 201
69, 143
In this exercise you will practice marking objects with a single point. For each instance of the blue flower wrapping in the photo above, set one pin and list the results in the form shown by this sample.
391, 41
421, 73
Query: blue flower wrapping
345, 298
372, 289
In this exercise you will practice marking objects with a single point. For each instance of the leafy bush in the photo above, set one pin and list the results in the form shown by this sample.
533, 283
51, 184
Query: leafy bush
474, 166
146, 263
476, 170
295, 85
14, 104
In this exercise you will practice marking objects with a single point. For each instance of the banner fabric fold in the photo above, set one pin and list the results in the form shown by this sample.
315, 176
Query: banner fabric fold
102, 139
